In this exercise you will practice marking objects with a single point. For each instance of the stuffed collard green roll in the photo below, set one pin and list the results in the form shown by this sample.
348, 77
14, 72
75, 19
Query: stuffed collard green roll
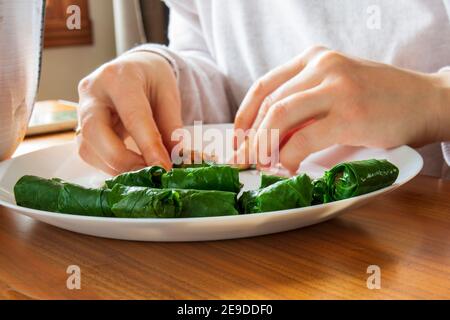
58, 196
289, 193
206, 177
146, 177
267, 180
319, 187
320, 194
141, 202
207, 203
355, 178
214, 177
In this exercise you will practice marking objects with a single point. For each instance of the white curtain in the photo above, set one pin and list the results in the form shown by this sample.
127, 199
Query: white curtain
128, 24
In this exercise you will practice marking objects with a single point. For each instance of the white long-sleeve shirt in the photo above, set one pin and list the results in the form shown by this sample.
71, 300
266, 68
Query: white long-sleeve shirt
218, 48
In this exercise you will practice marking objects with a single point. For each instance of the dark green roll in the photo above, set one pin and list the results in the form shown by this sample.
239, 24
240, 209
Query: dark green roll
320, 194
141, 202
121, 201
355, 178
38, 193
56, 195
214, 177
146, 177
289, 193
208, 203
267, 180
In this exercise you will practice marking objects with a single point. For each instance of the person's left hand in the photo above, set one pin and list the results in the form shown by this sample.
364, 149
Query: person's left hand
323, 97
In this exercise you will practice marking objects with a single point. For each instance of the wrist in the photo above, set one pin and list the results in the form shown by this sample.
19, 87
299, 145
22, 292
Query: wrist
442, 85
155, 52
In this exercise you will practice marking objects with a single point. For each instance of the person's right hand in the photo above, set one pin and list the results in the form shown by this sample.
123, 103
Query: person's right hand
134, 95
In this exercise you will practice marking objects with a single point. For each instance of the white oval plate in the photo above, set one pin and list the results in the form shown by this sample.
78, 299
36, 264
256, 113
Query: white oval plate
62, 161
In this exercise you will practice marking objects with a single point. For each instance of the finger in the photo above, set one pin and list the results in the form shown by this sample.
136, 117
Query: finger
242, 158
167, 112
310, 139
289, 114
96, 129
245, 151
256, 101
267, 84
136, 115
307, 79
88, 155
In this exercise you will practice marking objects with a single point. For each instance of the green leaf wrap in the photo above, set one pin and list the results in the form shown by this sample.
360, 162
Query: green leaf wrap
58, 196
141, 202
146, 177
290, 193
207, 203
169, 203
320, 194
267, 180
214, 177
355, 178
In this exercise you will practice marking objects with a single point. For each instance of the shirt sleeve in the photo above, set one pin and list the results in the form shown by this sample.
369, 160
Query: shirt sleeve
203, 87
446, 145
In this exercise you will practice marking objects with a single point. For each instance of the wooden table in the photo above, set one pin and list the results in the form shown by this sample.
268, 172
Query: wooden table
405, 233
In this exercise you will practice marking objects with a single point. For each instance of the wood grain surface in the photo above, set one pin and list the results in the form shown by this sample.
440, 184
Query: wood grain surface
406, 233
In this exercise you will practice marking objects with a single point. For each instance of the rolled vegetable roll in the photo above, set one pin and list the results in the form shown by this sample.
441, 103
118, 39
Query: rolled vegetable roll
320, 194
290, 193
141, 202
207, 203
146, 177
214, 177
58, 196
267, 180
355, 178
131, 202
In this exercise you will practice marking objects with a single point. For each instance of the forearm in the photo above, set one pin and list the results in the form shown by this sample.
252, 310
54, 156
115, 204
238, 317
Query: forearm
202, 86
443, 84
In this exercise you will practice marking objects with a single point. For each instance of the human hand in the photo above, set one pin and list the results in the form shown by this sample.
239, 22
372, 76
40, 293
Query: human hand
134, 95
323, 97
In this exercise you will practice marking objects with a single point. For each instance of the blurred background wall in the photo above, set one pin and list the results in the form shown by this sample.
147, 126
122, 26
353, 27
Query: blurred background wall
64, 67
109, 27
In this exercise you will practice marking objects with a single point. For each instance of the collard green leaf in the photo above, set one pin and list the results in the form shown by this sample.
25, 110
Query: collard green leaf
170, 203
146, 177
290, 193
56, 195
320, 194
76, 199
207, 203
355, 178
215, 177
38, 193
141, 202
267, 180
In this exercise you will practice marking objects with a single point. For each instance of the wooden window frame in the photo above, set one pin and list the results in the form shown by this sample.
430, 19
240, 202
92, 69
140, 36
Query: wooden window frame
56, 32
